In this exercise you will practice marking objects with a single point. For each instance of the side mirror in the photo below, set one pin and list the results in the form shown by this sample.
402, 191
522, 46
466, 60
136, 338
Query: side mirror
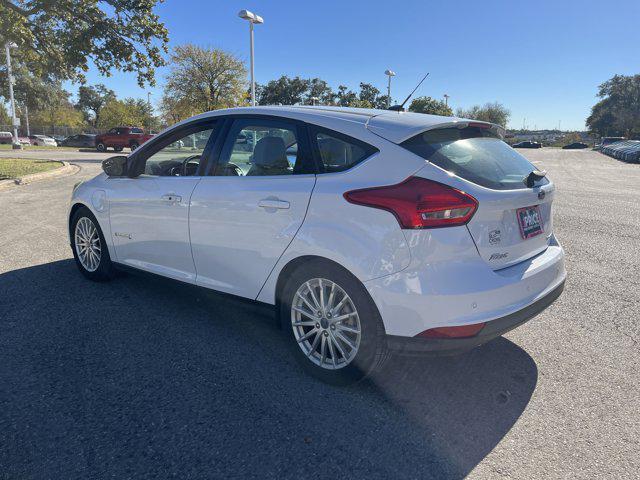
115, 166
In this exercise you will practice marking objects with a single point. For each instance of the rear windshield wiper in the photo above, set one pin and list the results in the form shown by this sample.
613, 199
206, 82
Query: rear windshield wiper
531, 179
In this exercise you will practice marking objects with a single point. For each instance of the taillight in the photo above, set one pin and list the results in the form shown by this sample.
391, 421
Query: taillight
419, 203
464, 331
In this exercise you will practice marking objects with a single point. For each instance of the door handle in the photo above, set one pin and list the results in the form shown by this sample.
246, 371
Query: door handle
272, 203
172, 198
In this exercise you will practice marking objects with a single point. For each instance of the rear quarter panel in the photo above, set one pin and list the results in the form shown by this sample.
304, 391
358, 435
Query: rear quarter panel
366, 241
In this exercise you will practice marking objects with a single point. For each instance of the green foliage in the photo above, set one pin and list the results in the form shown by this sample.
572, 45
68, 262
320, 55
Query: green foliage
62, 114
489, 112
431, 106
371, 95
5, 118
91, 100
618, 113
285, 91
57, 39
321, 90
202, 79
299, 91
130, 111
346, 97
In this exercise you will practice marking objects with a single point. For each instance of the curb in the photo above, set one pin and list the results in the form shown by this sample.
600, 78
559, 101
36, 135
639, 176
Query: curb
66, 168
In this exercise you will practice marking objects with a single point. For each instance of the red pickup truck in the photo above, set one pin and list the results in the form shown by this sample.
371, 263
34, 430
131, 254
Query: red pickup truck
121, 137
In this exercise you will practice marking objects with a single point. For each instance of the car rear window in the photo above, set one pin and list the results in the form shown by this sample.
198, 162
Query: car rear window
475, 154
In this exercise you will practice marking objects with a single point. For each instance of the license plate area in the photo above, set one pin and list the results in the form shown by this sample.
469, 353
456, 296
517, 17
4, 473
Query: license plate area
530, 221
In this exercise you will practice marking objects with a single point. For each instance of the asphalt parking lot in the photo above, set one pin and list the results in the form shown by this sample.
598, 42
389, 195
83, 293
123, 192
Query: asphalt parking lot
140, 378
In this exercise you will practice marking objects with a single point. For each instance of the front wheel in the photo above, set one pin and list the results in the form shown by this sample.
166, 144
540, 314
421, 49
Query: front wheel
89, 247
333, 324
101, 147
133, 146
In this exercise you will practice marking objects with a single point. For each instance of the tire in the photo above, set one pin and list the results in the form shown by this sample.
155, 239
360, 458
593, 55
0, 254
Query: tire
341, 366
101, 147
98, 270
133, 146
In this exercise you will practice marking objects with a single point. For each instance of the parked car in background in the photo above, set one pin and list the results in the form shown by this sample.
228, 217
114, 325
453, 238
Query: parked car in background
121, 137
81, 140
605, 141
575, 146
527, 144
42, 141
6, 138
369, 231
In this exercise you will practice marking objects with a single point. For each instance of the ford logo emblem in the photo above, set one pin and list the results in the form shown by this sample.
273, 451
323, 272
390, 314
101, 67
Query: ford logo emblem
541, 195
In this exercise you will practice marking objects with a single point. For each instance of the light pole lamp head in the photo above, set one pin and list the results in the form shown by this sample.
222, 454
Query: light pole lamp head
252, 17
11, 45
391, 73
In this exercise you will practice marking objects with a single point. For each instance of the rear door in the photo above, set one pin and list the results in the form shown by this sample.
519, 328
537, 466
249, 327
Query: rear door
247, 211
513, 222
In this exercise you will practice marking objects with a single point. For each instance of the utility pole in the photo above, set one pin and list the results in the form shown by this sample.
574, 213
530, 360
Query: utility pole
26, 118
389, 73
14, 119
251, 18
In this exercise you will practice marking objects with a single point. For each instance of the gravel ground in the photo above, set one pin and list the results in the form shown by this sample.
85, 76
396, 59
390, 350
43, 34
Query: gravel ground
142, 378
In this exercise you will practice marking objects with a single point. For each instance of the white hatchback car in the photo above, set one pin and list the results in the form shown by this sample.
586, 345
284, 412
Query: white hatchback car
370, 231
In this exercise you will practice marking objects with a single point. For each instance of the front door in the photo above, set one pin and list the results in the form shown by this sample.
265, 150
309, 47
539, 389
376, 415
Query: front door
244, 216
149, 213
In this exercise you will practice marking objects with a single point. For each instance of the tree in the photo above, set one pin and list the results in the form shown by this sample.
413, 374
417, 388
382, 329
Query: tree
284, 91
489, 112
57, 39
346, 97
5, 119
203, 79
371, 95
321, 90
91, 100
130, 111
618, 113
430, 106
61, 115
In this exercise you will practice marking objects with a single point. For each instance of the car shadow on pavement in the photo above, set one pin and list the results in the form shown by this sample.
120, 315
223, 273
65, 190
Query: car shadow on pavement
141, 377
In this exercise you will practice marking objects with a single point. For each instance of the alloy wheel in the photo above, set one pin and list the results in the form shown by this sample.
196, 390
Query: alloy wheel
87, 241
325, 323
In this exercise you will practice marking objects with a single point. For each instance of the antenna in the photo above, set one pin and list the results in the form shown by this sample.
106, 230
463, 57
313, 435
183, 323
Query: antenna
400, 108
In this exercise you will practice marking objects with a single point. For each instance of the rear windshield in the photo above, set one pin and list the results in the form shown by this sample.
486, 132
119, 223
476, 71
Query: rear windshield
475, 154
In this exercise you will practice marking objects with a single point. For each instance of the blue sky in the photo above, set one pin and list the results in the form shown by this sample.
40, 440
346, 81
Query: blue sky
542, 59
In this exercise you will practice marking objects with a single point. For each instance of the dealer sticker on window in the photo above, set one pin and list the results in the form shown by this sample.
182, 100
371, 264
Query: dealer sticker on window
530, 221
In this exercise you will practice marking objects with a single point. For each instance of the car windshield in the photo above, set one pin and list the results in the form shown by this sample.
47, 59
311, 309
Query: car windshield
474, 154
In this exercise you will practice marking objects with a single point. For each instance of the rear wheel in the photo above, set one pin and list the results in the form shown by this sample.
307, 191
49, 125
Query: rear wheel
133, 146
89, 247
101, 147
334, 327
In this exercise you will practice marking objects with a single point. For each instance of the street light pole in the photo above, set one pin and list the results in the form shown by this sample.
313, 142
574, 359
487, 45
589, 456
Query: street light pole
446, 99
252, 18
16, 144
389, 73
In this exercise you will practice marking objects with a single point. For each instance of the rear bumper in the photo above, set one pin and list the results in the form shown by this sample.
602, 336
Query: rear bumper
493, 329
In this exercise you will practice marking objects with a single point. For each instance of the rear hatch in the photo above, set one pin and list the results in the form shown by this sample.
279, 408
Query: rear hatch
513, 221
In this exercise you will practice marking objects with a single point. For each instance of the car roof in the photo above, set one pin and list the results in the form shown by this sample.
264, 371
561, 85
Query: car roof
391, 125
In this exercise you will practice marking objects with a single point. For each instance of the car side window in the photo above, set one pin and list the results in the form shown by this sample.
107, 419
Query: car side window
113, 131
262, 147
178, 154
339, 152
